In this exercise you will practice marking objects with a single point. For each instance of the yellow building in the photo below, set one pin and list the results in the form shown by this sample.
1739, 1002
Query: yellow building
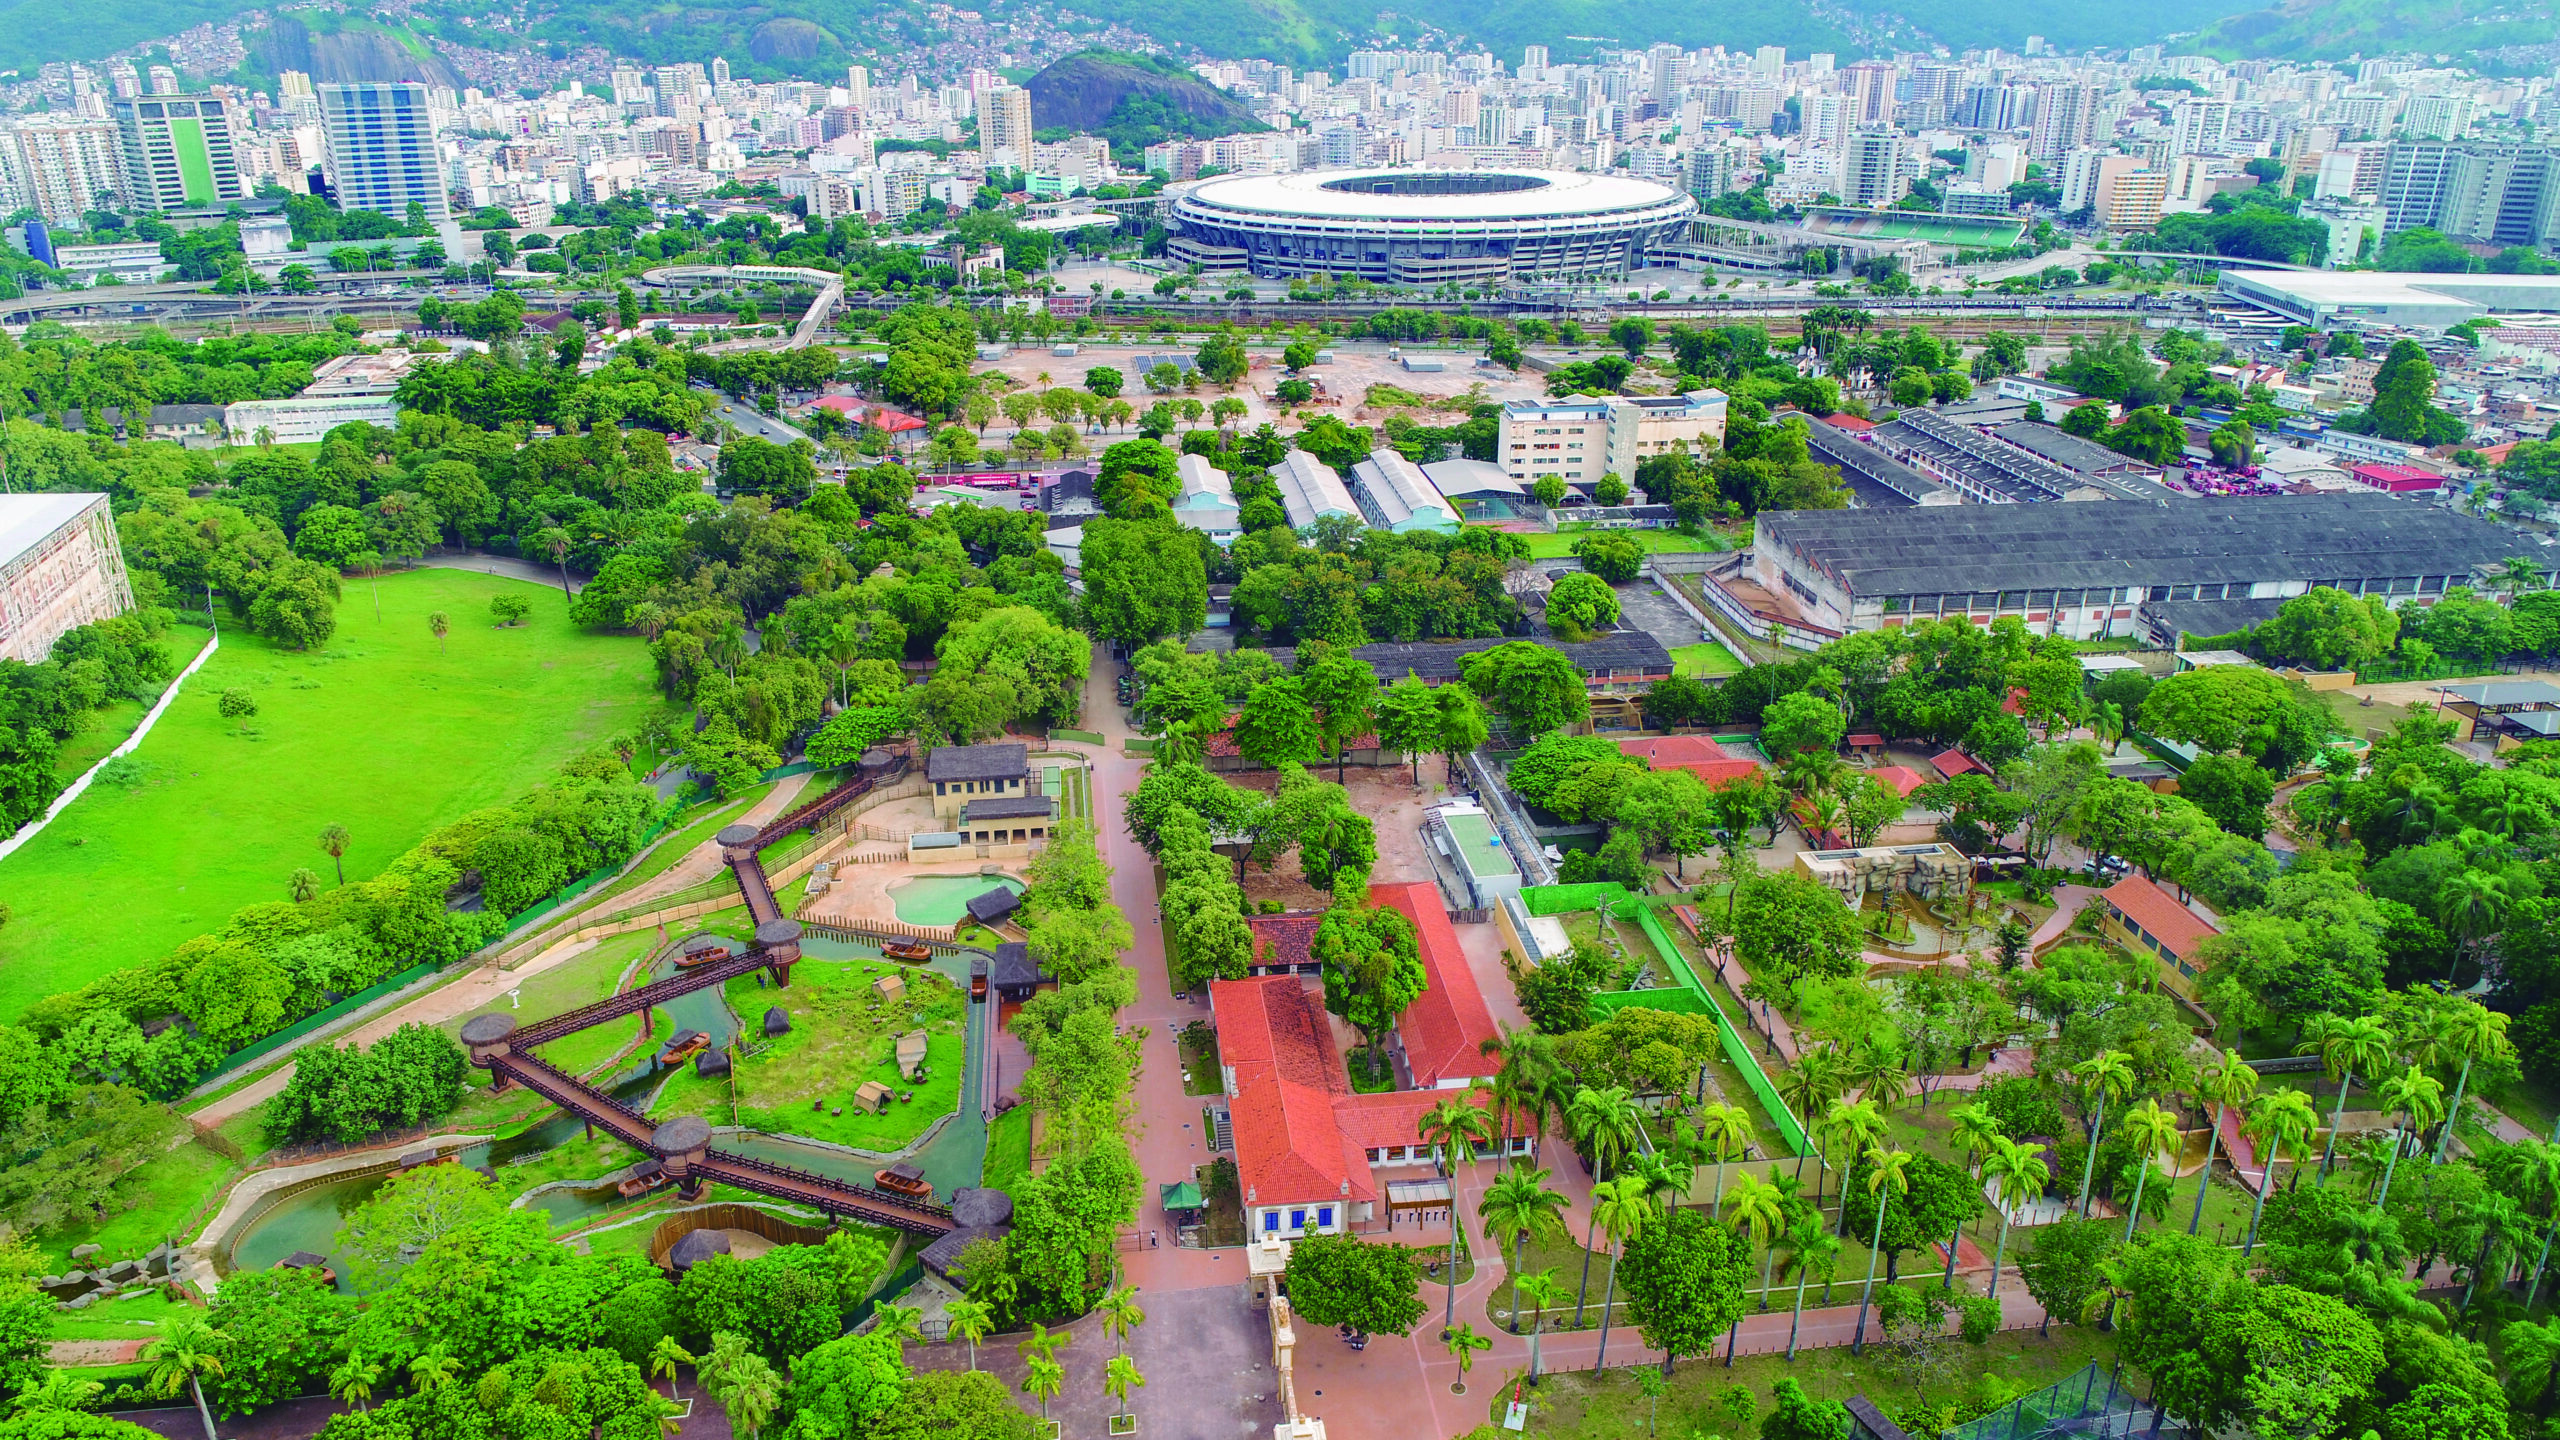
2146, 919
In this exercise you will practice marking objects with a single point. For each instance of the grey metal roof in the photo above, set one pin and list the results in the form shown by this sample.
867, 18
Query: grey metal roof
989, 906
2320, 538
1620, 653
977, 762
1873, 476
2066, 449
1009, 807
2209, 617
2500, 693
1012, 966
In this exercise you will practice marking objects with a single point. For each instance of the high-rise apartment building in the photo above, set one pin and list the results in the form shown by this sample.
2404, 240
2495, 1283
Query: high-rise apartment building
1004, 126
2436, 117
63, 167
1873, 173
1769, 61
382, 150
2200, 127
857, 85
2066, 119
1710, 171
2491, 194
178, 151
1869, 86
1670, 67
1533, 61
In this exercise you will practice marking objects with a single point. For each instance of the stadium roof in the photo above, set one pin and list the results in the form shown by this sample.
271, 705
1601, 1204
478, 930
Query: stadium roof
1338, 195
2320, 538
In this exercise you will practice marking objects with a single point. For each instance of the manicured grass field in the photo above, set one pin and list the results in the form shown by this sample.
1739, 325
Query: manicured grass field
838, 1040
1008, 1148
1655, 542
380, 731
1704, 658
582, 981
156, 1202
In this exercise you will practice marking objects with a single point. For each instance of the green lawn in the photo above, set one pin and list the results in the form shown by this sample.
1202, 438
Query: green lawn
104, 730
582, 981
1655, 542
377, 731
838, 1040
1705, 658
1008, 1149
157, 1202
1572, 1403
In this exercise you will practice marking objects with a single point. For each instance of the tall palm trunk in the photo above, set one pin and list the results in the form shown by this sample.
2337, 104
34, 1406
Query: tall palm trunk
2399, 1138
2266, 1182
1519, 1242
1584, 1292
2204, 1177
2133, 1216
1608, 1301
1858, 1342
2337, 1118
1796, 1324
1998, 1252
2453, 1111
195, 1386
2089, 1170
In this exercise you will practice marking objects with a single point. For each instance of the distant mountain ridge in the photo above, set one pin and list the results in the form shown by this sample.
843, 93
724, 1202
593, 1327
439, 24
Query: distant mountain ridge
2336, 29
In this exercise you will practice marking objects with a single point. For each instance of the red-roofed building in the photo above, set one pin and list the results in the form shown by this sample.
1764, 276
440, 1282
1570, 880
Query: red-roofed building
1855, 425
862, 412
1284, 944
1218, 752
1901, 778
2143, 917
1307, 1149
1696, 754
2396, 479
1952, 763
1444, 1029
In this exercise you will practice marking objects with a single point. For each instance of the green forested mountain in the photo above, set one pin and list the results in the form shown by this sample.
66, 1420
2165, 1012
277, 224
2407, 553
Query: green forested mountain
2335, 29
812, 37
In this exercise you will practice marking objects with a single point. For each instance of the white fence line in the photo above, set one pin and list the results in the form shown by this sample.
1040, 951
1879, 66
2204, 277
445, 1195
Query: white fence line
73, 791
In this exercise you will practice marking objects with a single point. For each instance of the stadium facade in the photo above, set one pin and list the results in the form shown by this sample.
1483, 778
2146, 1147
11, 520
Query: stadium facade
1425, 227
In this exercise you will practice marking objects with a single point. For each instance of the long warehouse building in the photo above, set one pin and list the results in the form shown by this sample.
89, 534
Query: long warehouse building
2085, 571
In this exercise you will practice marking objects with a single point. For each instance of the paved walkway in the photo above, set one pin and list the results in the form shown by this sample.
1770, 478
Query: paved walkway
482, 988
507, 565
2067, 900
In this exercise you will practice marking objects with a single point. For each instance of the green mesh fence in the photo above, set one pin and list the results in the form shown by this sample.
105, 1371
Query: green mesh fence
1736, 1048
1682, 1002
259, 1050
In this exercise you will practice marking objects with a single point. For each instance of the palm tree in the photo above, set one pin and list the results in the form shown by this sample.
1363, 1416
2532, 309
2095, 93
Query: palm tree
333, 842
2231, 1082
970, 1320
1518, 1203
354, 1379
1814, 1083
1042, 1379
1542, 1292
2018, 1174
2110, 725
2107, 1075
1604, 1124
2503, 1233
1888, 1175
2474, 1032
1879, 1075
2282, 1121
2532, 1354
1528, 1060
1725, 1132
741, 1381
1975, 1130
1759, 1213
1810, 1246
2542, 1180
2153, 1132
1119, 1377
554, 542
2472, 905
2346, 1044
2419, 1097
1621, 1207
1849, 1126
59, 1390
900, 1323
664, 1358
1455, 1127
433, 1369
1120, 1315
187, 1350
437, 625
1463, 1344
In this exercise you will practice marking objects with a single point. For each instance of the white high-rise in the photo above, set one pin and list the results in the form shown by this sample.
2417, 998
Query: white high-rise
63, 167
383, 153
1004, 127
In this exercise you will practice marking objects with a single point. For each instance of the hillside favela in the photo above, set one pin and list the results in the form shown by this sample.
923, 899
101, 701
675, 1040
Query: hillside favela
856, 720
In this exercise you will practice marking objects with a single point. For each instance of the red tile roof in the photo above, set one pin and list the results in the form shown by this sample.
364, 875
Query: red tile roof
1902, 778
1394, 1117
1289, 1078
2178, 929
1865, 740
1851, 423
1284, 939
1446, 1024
1952, 763
1697, 754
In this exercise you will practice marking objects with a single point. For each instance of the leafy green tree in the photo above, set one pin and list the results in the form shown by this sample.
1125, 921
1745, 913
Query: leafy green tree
1372, 964
2233, 791
1940, 1198
1788, 926
1582, 605
1799, 723
2326, 628
1144, 580
845, 1388
2149, 434
1534, 689
1343, 1280
1615, 556
1408, 718
1684, 1276
1798, 1416
280, 1331
1344, 691
2404, 392
1278, 724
